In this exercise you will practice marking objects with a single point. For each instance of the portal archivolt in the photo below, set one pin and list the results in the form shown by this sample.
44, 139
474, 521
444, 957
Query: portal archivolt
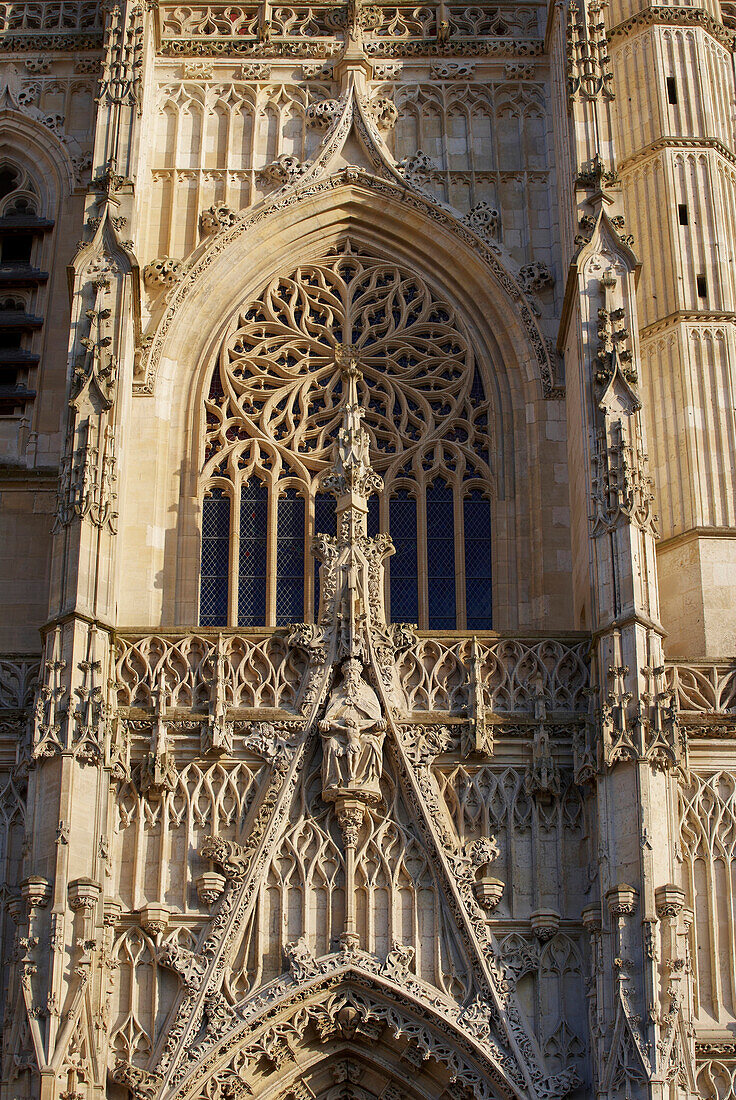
346, 1035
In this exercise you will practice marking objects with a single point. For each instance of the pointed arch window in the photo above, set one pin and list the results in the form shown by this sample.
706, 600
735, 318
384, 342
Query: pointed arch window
273, 411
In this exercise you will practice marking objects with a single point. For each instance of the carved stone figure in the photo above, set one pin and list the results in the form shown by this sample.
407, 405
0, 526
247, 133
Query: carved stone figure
352, 730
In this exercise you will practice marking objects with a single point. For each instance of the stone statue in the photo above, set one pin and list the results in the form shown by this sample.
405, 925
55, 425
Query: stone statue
352, 739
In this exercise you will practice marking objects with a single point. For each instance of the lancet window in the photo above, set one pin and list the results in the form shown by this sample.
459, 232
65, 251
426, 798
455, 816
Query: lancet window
273, 410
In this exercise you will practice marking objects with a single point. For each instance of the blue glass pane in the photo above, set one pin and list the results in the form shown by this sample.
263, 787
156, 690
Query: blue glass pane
325, 523
477, 393
441, 556
478, 558
252, 569
215, 559
403, 528
374, 511
290, 559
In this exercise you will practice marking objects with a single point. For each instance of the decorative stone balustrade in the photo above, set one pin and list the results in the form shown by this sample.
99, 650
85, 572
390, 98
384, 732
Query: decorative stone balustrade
225, 28
262, 671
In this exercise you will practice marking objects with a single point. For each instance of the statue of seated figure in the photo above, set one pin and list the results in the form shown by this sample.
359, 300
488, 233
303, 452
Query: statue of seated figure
352, 739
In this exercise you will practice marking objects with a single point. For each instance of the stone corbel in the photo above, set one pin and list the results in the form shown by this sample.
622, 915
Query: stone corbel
155, 919
230, 857
83, 896
210, 885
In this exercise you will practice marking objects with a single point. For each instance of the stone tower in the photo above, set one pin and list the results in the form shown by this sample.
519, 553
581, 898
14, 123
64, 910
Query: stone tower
367, 451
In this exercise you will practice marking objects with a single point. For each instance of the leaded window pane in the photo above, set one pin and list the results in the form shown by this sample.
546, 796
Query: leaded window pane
478, 588
403, 564
290, 558
253, 541
215, 563
374, 515
440, 556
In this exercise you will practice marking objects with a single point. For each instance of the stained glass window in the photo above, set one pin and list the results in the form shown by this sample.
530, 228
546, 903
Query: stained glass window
440, 556
274, 408
253, 540
215, 570
290, 558
403, 564
477, 530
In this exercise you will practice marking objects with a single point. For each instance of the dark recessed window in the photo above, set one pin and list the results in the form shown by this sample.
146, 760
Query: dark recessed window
8, 181
16, 249
671, 89
682, 214
702, 284
403, 565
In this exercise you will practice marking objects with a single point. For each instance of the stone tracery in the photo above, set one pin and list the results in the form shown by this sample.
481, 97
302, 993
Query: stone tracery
415, 356
275, 405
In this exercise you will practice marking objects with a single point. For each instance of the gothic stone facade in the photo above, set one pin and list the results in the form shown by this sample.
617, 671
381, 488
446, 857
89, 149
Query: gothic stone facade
369, 550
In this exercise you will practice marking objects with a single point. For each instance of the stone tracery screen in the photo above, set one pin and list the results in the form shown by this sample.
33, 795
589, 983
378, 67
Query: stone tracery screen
272, 414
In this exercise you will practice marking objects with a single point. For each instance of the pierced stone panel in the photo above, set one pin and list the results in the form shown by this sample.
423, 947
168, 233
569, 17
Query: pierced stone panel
434, 675
259, 672
398, 898
542, 853
155, 838
143, 991
708, 839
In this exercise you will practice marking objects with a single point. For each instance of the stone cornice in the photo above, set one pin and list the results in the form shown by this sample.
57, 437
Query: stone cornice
324, 47
696, 533
687, 316
56, 43
715, 1048
674, 17
657, 146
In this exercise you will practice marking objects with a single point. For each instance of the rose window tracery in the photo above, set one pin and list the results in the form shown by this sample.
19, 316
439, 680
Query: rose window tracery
273, 411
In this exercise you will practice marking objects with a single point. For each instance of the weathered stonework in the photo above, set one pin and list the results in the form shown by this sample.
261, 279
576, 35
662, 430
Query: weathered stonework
334, 268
